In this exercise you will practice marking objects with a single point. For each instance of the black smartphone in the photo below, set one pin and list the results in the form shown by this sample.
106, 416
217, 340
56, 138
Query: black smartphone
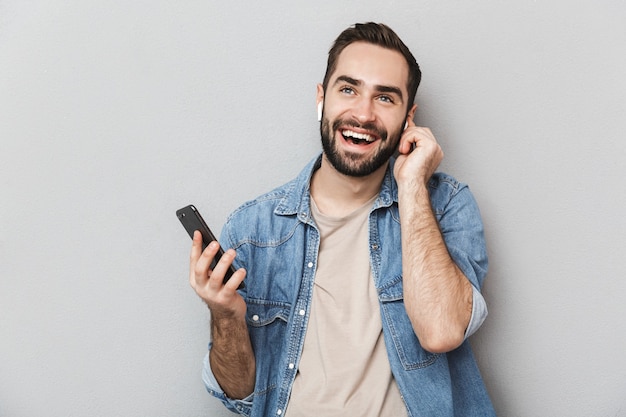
191, 219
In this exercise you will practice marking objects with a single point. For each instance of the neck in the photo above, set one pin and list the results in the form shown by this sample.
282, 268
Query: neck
336, 194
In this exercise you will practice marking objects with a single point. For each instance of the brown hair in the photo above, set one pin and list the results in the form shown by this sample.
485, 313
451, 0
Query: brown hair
377, 34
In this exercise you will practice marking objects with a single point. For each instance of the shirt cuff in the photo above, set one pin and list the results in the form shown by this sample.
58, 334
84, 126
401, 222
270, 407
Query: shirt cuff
479, 312
213, 387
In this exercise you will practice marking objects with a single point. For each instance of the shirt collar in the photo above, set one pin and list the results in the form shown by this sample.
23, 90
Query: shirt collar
297, 199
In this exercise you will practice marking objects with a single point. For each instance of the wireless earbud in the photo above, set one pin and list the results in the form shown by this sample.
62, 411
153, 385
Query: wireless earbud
320, 106
406, 124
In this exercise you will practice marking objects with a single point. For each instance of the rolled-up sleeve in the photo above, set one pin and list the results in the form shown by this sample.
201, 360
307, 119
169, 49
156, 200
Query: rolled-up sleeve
243, 406
479, 312
463, 231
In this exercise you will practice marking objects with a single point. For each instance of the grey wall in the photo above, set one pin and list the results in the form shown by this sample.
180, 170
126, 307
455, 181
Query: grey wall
113, 114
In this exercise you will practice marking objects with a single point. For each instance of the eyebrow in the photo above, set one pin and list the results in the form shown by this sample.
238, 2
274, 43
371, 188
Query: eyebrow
379, 88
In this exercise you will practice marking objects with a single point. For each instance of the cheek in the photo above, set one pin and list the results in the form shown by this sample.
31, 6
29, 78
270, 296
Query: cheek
395, 133
333, 113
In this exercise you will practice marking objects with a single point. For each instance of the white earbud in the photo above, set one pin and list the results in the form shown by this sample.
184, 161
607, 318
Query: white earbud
320, 106
406, 124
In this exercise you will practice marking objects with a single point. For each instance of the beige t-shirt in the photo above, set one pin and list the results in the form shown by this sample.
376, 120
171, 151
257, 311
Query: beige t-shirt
344, 369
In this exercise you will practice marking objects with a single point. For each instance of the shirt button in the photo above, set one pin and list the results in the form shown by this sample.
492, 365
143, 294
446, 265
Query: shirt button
301, 312
255, 318
291, 366
310, 265
279, 412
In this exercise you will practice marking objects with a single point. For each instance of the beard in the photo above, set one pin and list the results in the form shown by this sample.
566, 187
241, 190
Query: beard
354, 164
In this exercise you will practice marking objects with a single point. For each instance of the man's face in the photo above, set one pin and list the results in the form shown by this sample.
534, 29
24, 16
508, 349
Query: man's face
365, 108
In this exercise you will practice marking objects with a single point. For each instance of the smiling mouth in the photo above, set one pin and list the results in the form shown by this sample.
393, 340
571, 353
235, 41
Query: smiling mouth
357, 138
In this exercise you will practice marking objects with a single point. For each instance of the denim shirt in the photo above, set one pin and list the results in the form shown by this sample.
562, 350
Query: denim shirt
277, 242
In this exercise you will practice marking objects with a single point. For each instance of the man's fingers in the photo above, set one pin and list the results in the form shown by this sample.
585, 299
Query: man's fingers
196, 246
410, 136
201, 261
236, 279
416, 135
216, 279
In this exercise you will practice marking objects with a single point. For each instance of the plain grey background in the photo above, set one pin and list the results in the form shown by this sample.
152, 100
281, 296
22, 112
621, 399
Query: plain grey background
113, 114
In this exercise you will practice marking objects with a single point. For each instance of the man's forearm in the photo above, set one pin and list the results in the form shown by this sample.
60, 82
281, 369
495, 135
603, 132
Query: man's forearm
438, 297
232, 358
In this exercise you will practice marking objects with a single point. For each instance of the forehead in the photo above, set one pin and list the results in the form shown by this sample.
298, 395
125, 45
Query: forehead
373, 64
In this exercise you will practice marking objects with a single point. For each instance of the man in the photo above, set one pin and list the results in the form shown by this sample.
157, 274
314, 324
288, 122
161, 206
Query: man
363, 273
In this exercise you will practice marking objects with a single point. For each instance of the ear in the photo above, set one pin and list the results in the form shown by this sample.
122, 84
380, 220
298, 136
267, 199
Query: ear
320, 101
411, 113
320, 93
409, 116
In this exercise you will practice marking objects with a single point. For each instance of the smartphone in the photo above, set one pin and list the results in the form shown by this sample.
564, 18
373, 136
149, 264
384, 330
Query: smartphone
191, 219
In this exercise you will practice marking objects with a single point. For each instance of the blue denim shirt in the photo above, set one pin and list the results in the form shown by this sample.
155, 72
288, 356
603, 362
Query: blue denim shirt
277, 242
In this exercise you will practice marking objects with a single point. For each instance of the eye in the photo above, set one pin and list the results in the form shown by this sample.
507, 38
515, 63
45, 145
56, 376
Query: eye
386, 99
346, 90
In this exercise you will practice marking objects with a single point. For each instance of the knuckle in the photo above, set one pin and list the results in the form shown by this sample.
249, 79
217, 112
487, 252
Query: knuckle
197, 270
208, 252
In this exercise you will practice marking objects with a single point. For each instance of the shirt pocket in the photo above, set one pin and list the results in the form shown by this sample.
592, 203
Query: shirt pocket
263, 313
267, 326
400, 331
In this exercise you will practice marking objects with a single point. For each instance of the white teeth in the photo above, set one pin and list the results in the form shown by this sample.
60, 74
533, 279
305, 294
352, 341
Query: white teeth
360, 136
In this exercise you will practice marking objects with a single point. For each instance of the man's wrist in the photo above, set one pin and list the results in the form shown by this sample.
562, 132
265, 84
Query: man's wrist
413, 194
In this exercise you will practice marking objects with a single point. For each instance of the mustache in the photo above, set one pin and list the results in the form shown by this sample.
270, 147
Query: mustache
372, 127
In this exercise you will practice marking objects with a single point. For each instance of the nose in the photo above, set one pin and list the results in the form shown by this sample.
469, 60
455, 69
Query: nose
363, 110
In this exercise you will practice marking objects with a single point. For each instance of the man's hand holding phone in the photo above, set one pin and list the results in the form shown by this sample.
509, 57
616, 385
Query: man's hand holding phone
214, 279
211, 273
222, 298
